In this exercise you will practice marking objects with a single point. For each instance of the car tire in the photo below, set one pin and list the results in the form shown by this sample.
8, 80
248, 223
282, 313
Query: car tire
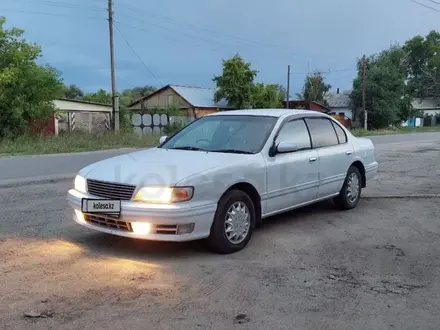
350, 193
226, 222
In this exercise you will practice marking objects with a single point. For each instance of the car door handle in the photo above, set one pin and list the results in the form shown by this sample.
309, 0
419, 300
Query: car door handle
312, 159
349, 152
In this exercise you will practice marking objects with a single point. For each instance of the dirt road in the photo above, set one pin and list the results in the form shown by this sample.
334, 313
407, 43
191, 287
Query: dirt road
375, 267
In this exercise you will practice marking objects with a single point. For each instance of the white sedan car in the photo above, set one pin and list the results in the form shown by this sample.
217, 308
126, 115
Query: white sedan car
222, 174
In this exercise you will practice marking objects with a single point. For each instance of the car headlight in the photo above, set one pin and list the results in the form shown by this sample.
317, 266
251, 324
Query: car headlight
80, 184
164, 194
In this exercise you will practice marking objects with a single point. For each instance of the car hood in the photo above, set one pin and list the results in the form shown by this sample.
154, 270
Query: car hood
157, 166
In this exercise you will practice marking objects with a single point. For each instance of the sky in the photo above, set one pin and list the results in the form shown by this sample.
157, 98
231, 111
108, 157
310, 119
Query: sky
184, 41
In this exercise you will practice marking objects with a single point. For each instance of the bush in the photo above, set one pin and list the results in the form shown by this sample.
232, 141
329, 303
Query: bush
75, 141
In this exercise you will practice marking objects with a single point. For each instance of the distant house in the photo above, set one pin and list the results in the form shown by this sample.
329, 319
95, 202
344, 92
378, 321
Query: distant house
427, 106
339, 103
197, 101
71, 114
316, 106
308, 105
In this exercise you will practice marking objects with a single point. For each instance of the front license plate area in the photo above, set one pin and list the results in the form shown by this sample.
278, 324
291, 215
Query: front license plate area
107, 206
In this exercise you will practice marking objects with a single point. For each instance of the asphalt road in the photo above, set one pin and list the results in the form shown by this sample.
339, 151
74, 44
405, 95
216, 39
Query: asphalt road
25, 167
374, 267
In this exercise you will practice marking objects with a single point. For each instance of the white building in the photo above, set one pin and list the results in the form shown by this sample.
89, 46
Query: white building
84, 115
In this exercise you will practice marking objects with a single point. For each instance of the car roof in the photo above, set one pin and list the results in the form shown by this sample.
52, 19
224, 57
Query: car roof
262, 112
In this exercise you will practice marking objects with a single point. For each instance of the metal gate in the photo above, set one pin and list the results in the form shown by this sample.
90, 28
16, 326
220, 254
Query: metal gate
149, 123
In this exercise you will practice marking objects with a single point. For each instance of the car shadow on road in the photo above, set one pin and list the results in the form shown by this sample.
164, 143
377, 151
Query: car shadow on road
309, 213
143, 250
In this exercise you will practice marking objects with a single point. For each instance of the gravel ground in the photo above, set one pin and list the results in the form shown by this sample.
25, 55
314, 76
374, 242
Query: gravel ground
375, 267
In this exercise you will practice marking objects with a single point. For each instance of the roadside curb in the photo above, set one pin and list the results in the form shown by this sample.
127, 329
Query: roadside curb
36, 180
103, 151
416, 196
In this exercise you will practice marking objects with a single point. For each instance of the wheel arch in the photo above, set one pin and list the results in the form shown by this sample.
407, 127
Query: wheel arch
254, 195
358, 164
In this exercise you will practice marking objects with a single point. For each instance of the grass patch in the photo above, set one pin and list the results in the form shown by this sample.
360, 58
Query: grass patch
75, 142
392, 130
79, 141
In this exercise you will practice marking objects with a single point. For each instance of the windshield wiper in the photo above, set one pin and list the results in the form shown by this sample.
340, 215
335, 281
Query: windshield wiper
188, 148
232, 151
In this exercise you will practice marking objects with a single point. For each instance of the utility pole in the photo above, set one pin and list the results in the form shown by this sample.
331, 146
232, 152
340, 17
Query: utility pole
364, 92
115, 100
288, 87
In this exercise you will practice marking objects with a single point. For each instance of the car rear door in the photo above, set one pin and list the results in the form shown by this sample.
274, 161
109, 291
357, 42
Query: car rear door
334, 152
292, 177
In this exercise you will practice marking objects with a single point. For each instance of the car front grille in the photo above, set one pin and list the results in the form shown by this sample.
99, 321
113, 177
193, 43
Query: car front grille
110, 190
106, 220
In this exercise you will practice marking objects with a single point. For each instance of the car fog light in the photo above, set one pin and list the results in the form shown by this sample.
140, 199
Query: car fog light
80, 216
141, 228
185, 229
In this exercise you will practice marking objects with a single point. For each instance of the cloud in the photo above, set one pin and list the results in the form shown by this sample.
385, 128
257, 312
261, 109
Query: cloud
185, 44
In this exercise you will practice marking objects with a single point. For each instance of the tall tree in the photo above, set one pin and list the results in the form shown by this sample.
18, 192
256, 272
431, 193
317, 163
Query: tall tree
388, 100
72, 92
128, 96
101, 96
314, 88
423, 65
268, 96
26, 88
236, 83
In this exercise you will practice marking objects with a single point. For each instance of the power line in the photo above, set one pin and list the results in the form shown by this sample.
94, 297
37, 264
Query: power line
323, 72
224, 44
207, 30
51, 14
436, 2
60, 4
137, 55
173, 32
426, 6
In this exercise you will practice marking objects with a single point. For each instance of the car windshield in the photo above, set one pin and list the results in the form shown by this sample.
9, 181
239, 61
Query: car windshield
225, 133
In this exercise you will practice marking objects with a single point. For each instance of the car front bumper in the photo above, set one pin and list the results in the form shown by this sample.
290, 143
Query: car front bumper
177, 223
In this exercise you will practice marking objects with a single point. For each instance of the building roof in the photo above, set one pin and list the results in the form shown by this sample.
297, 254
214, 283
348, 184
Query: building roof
84, 102
338, 100
77, 105
262, 112
198, 97
301, 104
428, 103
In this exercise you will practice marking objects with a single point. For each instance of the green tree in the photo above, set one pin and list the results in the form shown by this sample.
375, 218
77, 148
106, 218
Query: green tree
128, 96
236, 83
388, 100
27, 90
72, 92
314, 88
268, 96
101, 96
422, 59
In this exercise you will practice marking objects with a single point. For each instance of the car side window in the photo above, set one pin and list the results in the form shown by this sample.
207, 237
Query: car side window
342, 137
322, 132
295, 131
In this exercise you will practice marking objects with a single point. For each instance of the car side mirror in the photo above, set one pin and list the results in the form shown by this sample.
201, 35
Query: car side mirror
163, 139
286, 146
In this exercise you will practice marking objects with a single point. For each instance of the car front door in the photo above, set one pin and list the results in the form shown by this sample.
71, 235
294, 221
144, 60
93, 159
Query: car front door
334, 152
292, 177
